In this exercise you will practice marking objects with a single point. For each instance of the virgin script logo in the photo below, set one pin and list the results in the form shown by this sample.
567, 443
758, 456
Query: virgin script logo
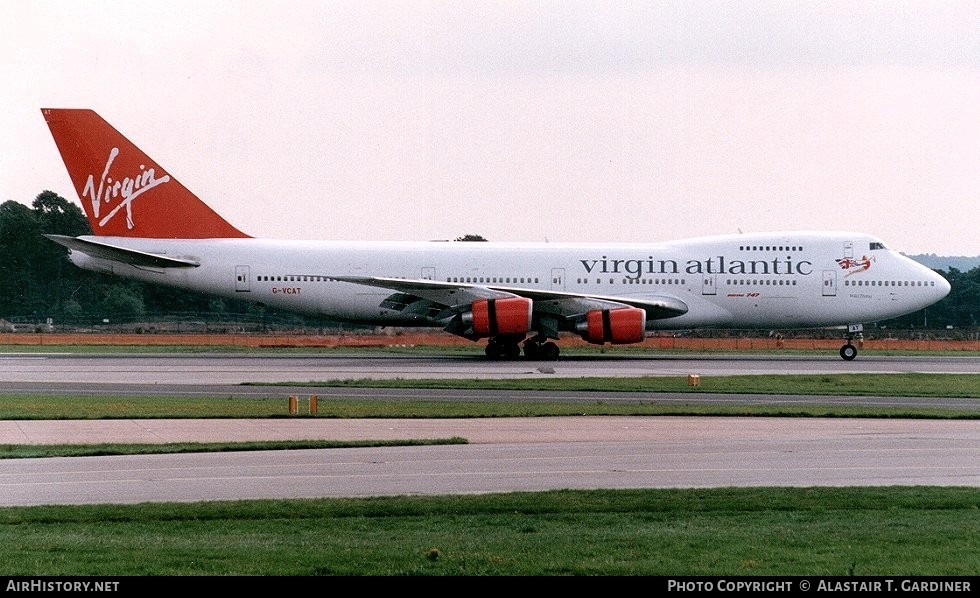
128, 189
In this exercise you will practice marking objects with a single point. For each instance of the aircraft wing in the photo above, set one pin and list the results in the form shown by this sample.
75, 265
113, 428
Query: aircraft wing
557, 303
121, 254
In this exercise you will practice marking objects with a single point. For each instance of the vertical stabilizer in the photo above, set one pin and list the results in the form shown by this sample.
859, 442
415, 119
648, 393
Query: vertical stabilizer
125, 193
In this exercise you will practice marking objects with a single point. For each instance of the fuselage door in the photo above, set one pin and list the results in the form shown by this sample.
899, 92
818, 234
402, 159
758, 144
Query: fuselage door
830, 283
557, 279
428, 273
708, 285
241, 279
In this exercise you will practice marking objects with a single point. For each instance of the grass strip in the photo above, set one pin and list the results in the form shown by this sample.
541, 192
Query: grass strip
891, 531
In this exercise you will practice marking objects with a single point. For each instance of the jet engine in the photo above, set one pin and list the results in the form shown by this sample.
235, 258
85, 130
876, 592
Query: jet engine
502, 317
617, 326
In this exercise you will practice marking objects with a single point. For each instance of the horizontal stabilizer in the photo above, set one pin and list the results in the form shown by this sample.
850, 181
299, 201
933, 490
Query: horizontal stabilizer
121, 254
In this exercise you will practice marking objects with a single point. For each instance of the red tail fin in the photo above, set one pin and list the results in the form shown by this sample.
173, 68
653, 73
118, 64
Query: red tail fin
123, 192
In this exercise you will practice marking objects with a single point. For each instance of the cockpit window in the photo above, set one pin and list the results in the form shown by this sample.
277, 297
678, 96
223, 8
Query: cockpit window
877, 245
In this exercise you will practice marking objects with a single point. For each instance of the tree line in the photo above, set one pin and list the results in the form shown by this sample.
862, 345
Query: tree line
39, 282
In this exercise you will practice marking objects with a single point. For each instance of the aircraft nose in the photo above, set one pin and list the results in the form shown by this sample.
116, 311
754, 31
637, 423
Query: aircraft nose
942, 287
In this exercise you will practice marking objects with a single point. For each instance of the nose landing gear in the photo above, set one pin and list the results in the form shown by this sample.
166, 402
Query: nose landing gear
849, 351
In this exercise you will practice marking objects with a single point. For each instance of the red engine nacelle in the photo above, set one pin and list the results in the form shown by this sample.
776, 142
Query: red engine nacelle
502, 317
617, 326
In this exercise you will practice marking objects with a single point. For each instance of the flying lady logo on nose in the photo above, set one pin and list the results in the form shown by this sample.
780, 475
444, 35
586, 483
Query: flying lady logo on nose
854, 266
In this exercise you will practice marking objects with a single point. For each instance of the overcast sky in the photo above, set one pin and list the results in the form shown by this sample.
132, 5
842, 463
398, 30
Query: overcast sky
521, 121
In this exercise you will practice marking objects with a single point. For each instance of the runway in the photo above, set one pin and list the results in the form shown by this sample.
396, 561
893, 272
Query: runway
501, 454
222, 368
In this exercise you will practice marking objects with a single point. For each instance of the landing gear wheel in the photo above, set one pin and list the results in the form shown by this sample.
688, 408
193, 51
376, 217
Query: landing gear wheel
848, 352
497, 349
540, 349
549, 351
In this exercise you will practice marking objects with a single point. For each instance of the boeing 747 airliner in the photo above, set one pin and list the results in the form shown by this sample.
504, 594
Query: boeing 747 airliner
149, 227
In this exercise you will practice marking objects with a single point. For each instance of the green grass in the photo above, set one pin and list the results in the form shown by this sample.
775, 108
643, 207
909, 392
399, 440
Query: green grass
30, 406
28, 451
900, 531
140, 407
910, 384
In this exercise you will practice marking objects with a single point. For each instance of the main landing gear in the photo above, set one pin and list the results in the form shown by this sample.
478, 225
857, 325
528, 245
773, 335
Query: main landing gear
541, 348
510, 348
503, 348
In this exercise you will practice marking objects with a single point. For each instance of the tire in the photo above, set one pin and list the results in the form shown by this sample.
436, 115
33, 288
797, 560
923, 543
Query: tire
549, 351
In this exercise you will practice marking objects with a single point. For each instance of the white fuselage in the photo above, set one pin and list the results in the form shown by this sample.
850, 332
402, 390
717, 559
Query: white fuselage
774, 280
